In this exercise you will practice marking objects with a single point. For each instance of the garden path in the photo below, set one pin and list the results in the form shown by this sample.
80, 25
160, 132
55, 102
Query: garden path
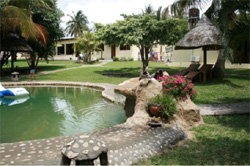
59, 70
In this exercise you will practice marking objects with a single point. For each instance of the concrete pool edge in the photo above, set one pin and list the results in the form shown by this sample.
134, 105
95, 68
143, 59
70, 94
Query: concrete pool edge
107, 89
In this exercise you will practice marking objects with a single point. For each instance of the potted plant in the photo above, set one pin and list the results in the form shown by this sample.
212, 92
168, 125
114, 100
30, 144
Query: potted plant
162, 105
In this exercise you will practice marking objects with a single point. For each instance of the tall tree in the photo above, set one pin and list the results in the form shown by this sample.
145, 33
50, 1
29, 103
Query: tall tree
77, 25
49, 18
143, 31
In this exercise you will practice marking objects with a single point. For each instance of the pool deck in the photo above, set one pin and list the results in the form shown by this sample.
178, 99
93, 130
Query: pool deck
126, 145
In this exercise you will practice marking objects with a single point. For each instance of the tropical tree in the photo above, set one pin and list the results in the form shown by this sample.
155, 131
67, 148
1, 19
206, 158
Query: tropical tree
232, 17
143, 31
77, 25
88, 44
49, 18
36, 21
16, 17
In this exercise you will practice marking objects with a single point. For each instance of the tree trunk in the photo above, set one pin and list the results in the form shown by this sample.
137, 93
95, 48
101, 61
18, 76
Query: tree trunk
144, 56
219, 67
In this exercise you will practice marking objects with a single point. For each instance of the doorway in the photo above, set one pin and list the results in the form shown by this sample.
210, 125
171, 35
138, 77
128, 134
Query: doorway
113, 48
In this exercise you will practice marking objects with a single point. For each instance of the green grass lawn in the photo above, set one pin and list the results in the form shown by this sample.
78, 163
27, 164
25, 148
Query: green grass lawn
234, 88
222, 140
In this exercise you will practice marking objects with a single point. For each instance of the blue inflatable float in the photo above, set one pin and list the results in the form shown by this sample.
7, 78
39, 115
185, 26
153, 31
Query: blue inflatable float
12, 92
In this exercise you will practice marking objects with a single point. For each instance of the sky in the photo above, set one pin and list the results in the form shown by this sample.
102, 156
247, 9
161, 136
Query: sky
106, 11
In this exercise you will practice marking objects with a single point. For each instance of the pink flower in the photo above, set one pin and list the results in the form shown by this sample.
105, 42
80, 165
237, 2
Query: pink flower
168, 81
175, 86
187, 85
184, 98
190, 94
193, 91
159, 77
185, 88
163, 83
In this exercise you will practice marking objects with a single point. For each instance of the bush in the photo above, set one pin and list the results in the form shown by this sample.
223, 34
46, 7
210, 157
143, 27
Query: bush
97, 60
177, 86
123, 59
115, 59
131, 59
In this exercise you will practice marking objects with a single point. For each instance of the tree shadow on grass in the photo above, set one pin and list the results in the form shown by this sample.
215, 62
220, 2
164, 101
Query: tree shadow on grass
131, 72
237, 122
233, 100
218, 82
49, 68
205, 151
213, 145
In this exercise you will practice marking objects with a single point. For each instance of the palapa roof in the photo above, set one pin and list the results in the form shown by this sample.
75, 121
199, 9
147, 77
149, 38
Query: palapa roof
15, 43
205, 34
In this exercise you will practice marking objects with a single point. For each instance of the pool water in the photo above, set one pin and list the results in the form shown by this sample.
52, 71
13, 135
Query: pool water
56, 111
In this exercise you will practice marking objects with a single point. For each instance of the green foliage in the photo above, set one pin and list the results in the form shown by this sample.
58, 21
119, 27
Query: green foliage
166, 102
50, 19
115, 59
143, 31
131, 59
88, 44
77, 25
123, 59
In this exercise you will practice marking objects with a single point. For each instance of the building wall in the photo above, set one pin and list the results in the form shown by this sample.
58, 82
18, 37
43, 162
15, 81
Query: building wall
175, 57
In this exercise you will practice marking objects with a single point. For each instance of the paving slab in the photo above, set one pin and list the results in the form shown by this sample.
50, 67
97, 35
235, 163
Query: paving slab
224, 109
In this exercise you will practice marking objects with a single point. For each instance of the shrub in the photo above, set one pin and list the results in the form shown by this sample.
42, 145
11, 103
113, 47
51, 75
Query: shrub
123, 59
177, 86
131, 59
115, 59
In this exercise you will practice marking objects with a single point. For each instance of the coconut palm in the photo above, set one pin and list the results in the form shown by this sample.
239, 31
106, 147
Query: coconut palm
88, 44
232, 17
77, 25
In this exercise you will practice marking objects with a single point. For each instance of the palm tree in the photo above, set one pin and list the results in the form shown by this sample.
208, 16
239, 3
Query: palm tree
77, 25
148, 10
16, 17
232, 17
88, 44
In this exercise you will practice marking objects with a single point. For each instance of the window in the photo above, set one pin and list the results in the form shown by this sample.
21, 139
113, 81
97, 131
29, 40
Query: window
60, 50
69, 49
124, 47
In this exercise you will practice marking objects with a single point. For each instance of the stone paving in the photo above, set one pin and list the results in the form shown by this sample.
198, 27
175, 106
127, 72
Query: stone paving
224, 109
126, 145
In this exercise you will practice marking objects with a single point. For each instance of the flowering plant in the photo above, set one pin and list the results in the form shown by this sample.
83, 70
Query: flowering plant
177, 86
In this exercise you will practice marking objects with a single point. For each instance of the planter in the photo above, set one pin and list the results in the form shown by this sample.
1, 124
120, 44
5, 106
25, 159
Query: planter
155, 110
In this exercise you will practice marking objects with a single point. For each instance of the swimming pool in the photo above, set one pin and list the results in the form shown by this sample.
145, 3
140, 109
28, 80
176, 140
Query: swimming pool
56, 111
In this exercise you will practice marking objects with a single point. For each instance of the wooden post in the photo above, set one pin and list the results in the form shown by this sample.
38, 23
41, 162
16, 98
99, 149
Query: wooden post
12, 60
204, 64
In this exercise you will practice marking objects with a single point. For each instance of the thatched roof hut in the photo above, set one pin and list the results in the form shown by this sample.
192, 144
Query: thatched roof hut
15, 43
204, 35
